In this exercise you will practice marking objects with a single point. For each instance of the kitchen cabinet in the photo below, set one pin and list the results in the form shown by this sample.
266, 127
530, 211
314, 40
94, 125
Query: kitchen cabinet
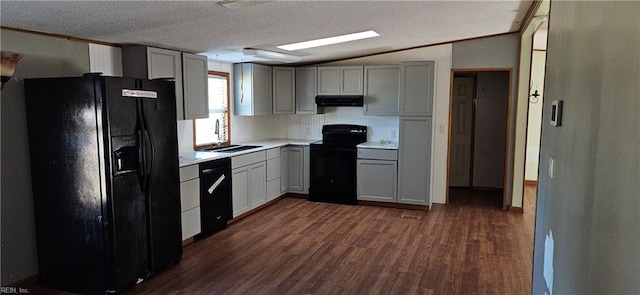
377, 171
307, 90
190, 201
252, 86
340, 80
382, 90
298, 162
189, 72
284, 90
284, 169
414, 161
417, 79
274, 174
249, 181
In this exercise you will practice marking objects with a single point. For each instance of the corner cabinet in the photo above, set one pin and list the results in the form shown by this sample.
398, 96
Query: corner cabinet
284, 90
252, 89
189, 71
416, 98
307, 90
382, 90
340, 80
414, 161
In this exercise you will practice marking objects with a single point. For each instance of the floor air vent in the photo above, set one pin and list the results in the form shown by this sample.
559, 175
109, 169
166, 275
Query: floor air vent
411, 217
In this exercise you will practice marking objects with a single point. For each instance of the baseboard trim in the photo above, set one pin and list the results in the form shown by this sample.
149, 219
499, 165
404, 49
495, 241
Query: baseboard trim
394, 205
531, 182
516, 209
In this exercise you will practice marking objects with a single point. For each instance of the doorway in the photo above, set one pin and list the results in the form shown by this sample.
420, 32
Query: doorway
478, 137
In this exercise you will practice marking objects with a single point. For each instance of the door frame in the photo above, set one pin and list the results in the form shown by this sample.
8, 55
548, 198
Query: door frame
508, 128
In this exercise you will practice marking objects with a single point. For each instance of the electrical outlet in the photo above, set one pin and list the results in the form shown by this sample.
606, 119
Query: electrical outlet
307, 131
393, 134
552, 163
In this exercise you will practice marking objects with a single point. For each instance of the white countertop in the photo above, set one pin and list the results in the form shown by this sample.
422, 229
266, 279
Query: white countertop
377, 145
191, 158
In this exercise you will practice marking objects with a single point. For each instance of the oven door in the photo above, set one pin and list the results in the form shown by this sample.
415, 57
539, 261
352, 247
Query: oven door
333, 174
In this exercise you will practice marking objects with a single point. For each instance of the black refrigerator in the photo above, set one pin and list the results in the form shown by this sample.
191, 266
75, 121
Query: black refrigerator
104, 168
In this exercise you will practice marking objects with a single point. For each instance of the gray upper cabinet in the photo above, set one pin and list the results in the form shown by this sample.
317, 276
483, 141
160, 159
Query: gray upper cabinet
284, 90
154, 63
306, 90
252, 86
416, 98
196, 99
340, 80
414, 161
382, 90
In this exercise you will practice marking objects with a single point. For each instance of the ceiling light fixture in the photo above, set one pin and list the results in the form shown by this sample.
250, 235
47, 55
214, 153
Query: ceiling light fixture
329, 41
237, 4
271, 55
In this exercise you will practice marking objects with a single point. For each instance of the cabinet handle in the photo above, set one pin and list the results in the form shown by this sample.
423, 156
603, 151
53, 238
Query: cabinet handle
216, 184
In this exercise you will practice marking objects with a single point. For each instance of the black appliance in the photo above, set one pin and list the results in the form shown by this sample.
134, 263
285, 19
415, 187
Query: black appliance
106, 187
333, 164
215, 195
340, 100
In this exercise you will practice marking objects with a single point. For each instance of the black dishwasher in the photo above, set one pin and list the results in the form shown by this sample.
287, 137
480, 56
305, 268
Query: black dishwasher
215, 195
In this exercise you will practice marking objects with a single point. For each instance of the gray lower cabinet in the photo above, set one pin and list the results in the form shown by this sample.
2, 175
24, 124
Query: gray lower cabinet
189, 72
190, 201
417, 88
414, 161
284, 90
274, 174
249, 181
284, 169
296, 169
377, 171
382, 90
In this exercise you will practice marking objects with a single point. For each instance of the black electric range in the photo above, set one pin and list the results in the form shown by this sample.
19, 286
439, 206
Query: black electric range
333, 164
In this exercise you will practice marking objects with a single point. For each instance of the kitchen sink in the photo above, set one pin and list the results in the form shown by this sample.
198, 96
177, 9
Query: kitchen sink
216, 148
238, 148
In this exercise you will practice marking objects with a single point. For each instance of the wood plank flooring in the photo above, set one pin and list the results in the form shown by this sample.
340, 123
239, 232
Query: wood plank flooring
300, 247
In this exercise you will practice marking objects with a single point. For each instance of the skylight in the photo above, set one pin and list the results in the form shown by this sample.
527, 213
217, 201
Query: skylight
329, 41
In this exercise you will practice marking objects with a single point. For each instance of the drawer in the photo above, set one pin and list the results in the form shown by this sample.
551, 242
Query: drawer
273, 153
189, 194
378, 154
188, 172
273, 168
273, 189
248, 159
190, 223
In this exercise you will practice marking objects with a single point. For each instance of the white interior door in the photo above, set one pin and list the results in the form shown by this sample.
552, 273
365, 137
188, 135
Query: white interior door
461, 132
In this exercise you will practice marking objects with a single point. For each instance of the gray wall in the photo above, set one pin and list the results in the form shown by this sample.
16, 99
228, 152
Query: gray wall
492, 92
43, 57
592, 205
493, 52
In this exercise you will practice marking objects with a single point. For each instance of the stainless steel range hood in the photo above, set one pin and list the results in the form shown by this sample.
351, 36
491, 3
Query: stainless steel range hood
340, 100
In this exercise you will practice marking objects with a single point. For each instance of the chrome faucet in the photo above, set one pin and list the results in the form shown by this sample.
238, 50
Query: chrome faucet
217, 130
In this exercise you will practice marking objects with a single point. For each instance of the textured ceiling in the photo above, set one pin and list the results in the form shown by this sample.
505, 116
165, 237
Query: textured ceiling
221, 33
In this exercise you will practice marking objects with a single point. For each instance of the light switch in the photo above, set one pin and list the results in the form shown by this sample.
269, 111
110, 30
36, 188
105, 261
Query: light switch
552, 163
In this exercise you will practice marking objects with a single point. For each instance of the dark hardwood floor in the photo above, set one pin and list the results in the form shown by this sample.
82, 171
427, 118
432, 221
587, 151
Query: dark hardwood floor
299, 247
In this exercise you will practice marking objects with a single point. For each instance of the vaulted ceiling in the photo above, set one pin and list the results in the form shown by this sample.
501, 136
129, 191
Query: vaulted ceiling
221, 33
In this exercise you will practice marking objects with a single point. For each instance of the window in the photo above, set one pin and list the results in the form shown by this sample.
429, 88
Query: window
215, 129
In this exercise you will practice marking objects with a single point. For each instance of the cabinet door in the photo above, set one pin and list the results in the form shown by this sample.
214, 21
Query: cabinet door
416, 98
240, 191
351, 80
257, 184
283, 90
284, 169
306, 90
415, 161
382, 90
306, 172
195, 81
328, 80
296, 172
162, 63
377, 180
262, 90
189, 194
273, 169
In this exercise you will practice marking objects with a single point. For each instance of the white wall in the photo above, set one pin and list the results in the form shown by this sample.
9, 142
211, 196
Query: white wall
494, 52
534, 121
43, 57
492, 92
